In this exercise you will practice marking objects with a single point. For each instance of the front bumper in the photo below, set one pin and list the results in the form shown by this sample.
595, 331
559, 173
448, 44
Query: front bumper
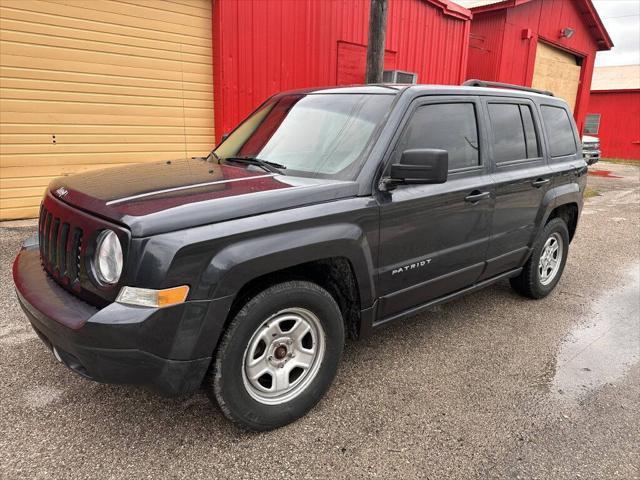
159, 348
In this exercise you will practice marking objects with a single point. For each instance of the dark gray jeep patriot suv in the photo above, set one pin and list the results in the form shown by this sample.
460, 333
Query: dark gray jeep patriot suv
326, 214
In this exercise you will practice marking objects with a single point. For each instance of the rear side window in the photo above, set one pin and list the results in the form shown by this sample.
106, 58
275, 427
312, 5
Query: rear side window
559, 132
514, 135
530, 136
447, 126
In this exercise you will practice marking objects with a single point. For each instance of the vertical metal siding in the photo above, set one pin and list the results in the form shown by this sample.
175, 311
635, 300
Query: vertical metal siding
619, 132
485, 45
266, 47
510, 58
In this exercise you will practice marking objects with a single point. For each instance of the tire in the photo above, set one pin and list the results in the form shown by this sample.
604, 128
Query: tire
270, 333
531, 282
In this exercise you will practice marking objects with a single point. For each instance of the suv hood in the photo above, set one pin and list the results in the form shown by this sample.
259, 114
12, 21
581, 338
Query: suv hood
158, 197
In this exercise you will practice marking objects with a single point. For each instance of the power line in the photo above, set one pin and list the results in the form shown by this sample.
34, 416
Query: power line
623, 16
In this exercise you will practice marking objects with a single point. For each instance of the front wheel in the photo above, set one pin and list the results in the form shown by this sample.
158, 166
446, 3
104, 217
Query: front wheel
544, 268
278, 356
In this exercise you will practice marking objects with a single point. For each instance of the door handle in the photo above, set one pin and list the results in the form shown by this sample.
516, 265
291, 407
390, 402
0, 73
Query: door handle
476, 196
540, 182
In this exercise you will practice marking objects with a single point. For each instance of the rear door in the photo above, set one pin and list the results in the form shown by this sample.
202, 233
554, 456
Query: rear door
434, 238
522, 178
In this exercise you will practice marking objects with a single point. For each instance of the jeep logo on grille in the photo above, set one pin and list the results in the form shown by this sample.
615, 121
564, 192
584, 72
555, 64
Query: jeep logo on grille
61, 192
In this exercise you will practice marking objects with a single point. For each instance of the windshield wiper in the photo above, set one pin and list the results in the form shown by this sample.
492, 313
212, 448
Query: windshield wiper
209, 158
212, 155
265, 164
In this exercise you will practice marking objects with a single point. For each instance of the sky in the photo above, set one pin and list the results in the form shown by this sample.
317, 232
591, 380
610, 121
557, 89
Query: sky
621, 18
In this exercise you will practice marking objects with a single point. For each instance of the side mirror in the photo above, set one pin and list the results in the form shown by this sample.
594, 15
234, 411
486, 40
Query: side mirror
224, 137
421, 165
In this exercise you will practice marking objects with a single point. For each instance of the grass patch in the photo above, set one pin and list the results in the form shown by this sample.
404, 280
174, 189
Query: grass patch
621, 161
591, 192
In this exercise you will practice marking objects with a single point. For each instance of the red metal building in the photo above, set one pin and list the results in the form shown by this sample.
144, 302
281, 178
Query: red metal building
262, 47
548, 44
614, 111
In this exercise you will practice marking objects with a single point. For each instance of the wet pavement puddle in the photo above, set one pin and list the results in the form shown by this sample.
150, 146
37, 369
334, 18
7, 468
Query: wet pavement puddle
603, 173
602, 349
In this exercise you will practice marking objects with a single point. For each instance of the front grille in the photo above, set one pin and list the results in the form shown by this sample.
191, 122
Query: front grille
60, 247
66, 234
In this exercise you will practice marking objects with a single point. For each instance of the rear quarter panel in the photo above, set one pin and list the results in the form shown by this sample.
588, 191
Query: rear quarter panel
569, 173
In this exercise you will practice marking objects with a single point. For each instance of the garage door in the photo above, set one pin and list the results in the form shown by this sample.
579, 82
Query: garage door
93, 84
558, 71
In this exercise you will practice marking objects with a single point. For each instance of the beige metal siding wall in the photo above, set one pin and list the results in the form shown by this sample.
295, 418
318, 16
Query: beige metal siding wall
88, 84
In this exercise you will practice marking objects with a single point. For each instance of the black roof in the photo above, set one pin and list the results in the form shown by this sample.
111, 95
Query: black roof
426, 89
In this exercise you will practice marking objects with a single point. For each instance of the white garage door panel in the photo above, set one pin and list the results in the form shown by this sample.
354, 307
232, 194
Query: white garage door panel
93, 84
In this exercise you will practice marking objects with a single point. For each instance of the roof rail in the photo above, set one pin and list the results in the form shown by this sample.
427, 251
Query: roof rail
483, 83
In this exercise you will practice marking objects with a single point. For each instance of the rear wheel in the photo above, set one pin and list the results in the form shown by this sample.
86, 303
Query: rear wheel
278, 356
544, 268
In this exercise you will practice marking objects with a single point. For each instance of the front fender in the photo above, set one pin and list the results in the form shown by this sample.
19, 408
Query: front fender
239, 263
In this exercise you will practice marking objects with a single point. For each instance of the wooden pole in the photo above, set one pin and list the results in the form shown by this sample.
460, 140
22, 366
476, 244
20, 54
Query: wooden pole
375, 47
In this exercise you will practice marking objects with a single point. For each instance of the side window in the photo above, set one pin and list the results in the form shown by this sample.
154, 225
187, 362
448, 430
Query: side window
508, 134
514, 135
559, 132
447, 126
592, 124
533, 148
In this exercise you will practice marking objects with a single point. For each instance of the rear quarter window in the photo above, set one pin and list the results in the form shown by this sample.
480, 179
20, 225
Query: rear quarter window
557, 125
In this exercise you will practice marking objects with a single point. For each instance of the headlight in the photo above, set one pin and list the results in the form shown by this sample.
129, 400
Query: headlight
107, 261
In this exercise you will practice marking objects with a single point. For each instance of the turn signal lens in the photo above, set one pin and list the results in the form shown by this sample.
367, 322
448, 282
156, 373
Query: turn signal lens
172, 296
146, 297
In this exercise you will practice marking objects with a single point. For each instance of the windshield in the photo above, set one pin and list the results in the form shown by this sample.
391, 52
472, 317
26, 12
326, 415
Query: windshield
318, 135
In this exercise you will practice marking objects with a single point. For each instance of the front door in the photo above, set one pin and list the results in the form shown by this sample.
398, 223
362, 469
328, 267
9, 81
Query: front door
434, 238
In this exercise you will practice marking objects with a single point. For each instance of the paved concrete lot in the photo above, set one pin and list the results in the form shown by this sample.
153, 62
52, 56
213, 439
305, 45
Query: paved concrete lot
489, 386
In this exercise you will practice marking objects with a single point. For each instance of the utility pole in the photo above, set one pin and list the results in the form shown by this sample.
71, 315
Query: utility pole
375, 47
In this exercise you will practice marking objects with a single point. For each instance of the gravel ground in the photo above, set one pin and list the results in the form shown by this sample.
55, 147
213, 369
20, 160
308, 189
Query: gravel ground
488, 386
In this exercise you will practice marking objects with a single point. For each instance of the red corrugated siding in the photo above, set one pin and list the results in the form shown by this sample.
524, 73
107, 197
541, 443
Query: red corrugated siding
619, 122
485, 45
511, 58
261, 47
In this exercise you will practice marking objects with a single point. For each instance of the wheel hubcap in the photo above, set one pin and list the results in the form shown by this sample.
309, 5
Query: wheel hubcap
283, 356
550, 259
280, 352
